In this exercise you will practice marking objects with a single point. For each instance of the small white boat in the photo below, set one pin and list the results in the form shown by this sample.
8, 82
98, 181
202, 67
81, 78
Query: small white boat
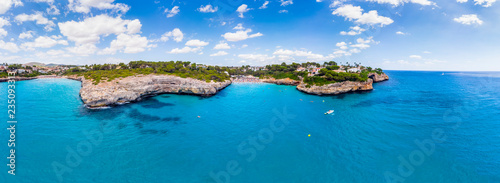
329, 112
442, 74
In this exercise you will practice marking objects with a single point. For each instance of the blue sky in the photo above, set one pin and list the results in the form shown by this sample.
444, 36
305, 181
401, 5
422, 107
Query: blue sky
391, 34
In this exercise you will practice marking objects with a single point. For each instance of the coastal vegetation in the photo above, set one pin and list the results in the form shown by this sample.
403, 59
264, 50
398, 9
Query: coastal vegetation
20, 70
109, 72
327, 73
310, 73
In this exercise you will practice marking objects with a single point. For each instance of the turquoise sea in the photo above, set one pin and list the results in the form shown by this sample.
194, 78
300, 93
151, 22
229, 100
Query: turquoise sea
417, 127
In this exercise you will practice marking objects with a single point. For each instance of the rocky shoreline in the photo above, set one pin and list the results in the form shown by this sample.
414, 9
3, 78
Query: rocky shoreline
378, 77
336, 88
343, 87
135, 88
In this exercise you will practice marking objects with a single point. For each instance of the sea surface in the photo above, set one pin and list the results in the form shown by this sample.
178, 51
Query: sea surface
417, 127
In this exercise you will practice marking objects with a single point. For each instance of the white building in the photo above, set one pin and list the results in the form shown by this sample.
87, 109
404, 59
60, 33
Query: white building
301, 69
353, 70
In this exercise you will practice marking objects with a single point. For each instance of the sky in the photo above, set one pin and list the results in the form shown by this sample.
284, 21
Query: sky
444, 35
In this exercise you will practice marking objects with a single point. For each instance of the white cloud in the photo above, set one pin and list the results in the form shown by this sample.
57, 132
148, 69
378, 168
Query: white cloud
26, 35
283, 11
264, 6
356, 30
88, 32
354, 50
356, 13
186, 49
43, 42
44, 1
239, 27
176, 34
342, 45
240, 35
242, 9
484, 3
55, 52
208, 9
220, 53
9, 46
52, 10
5, 5
172, 12
244, 46
3, 22
286, 2
196, 43
83, 50
400, 33
339, 53
256, 57
84, 6
127, 43
363, 43
90, 29
299, 53
401, 2
416, 56
38, 18
222, 46
468, 19
427, 52
347, 49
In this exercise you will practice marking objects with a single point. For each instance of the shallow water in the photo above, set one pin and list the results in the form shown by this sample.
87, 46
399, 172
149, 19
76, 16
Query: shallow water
262, 132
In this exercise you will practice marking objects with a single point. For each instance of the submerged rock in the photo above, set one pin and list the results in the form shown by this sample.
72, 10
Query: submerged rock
134, 88
336, 88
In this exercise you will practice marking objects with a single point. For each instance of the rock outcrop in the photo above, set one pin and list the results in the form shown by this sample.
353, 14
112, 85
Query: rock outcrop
286, 81
134, 88
336, 88
378, 77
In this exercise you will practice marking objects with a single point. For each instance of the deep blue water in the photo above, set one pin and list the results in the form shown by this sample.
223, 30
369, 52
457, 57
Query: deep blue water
260, 133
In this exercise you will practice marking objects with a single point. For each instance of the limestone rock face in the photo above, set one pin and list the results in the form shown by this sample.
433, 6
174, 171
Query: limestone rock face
378, 77
336, 88
134, 88
286, 81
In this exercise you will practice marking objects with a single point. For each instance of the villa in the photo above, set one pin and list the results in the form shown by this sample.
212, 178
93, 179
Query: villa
353, 70
301, 69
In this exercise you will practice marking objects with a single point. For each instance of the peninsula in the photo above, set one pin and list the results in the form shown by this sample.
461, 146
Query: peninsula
116, 84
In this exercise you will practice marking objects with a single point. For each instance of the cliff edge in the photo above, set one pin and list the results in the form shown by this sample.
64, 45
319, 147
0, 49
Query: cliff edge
378, 77
336, 88
134, 88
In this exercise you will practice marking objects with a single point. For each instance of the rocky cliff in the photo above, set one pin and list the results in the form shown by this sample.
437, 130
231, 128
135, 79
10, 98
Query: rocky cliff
336, 88
135, 88
378, 77
286, 81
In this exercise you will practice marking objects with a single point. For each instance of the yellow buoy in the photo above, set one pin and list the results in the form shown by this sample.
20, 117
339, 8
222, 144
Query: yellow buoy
309, 135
